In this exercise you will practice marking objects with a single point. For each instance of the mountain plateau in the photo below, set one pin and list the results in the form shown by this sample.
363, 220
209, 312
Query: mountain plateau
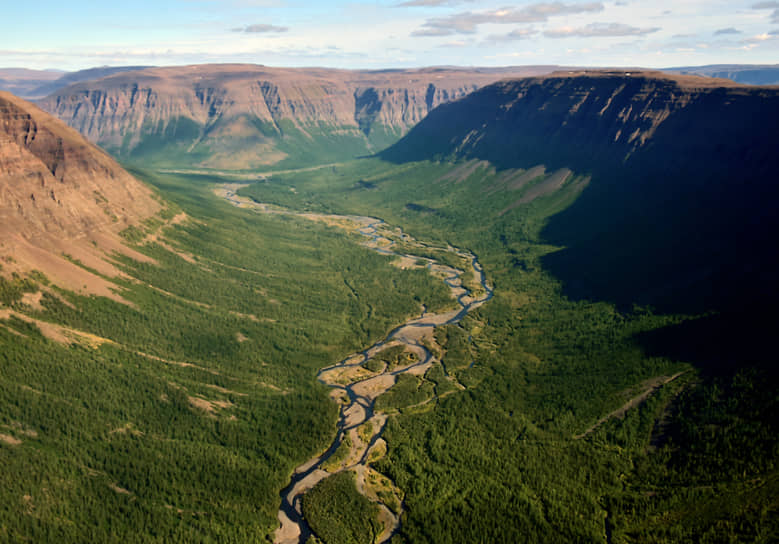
246, 116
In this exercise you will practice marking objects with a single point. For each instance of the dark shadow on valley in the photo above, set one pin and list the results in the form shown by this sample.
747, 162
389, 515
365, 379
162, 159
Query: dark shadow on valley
683, 223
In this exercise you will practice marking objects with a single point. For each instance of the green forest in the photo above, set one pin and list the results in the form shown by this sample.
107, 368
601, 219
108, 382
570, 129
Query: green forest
173, 426
527, 452
576, 420
337, 512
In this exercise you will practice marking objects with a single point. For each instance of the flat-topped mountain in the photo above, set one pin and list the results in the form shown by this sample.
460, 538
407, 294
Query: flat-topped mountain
679, 208
592, 116
60, 194
33, 84
748, 74
23, 82
245, 116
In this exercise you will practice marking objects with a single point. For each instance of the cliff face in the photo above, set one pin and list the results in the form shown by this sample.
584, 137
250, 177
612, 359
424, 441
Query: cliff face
683, 170
60, 194
593, 121
243, 116
55, 182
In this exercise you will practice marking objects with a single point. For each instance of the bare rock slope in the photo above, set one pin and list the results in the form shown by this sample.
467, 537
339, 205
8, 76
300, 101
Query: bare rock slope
61, 195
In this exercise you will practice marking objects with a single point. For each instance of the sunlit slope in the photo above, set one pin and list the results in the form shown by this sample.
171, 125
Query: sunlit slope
61, 195
245, 116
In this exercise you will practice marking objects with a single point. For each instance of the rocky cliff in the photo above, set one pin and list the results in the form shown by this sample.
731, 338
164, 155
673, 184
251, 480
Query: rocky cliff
683, 171
595, 120
244, 116
60, 194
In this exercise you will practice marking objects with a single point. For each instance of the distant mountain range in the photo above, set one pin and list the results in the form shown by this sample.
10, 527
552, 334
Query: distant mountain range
33, 84
748, 74
246, 116
249, 116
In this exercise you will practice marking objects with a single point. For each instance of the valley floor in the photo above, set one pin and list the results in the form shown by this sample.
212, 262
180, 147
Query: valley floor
179, 412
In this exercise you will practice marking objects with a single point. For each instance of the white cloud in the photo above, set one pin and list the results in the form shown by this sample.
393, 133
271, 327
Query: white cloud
514, 35
468, 22
261, 29
430, 3
769, 5
729, 30
458, 43
599, 30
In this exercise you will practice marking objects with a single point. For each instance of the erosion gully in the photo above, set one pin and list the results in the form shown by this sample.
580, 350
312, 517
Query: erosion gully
354, 387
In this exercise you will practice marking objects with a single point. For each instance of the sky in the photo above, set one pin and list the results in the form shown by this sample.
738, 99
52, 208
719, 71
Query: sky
362, 34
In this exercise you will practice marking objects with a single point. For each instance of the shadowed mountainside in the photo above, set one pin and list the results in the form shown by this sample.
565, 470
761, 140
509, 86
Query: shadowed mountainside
678, 213
245, 116
60, 194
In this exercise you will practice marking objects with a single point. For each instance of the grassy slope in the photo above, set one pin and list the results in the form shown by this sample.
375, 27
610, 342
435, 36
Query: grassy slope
124, 442
182, 143
499, 461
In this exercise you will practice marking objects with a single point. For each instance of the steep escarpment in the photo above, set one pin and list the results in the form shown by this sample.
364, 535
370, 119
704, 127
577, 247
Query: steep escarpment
678, 211
244, 116
591, 120
60, 195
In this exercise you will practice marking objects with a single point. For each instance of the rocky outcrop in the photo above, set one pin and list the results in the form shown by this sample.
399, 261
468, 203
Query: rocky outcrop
246, 115
60, 194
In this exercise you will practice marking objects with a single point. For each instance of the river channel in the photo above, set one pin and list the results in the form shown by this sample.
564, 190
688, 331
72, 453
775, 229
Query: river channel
356, 387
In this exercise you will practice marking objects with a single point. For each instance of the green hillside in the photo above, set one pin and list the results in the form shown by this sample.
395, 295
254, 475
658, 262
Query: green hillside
167, 419
529, 452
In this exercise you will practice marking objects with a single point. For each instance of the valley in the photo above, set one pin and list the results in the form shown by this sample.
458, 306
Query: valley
356, 386
307, 349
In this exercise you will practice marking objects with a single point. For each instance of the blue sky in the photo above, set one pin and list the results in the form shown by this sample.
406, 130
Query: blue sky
388, 33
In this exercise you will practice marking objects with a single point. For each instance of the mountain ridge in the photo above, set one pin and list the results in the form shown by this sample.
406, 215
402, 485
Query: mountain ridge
62, 195
749, 74
36, 84
245, 116
679, 162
